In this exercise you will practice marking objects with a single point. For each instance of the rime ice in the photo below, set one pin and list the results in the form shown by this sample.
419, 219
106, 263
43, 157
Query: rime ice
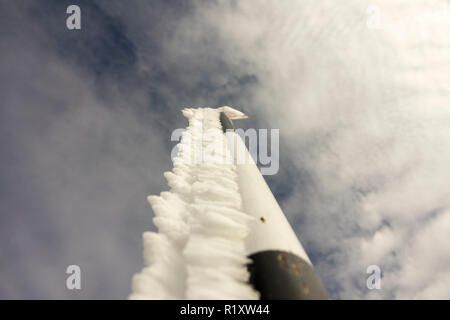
199, 250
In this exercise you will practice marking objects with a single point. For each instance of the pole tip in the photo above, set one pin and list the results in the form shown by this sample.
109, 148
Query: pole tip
232, 113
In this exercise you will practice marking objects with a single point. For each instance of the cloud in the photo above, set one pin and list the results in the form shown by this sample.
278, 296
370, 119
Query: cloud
363, 118
425, 271
80, 153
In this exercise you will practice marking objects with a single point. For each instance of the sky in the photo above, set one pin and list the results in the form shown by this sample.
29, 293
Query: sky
359, 90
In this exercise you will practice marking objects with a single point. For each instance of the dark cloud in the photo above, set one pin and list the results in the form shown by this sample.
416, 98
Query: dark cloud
81, 150
86, 119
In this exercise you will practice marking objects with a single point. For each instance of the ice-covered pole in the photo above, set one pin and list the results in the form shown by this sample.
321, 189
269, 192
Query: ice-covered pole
198, 251
220, 232
280, 267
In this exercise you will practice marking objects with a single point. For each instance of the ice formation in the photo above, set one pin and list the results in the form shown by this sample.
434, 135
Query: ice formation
233, 114
199, 251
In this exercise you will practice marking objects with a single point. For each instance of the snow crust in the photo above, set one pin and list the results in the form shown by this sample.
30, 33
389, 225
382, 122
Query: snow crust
199, 251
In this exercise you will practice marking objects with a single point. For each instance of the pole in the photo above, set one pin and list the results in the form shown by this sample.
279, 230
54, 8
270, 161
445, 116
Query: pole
280, 267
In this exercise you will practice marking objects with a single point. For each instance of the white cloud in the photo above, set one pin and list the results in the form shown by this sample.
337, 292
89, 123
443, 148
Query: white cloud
366, 115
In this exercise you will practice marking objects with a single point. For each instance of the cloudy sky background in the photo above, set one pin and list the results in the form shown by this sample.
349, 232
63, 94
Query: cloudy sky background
363, 113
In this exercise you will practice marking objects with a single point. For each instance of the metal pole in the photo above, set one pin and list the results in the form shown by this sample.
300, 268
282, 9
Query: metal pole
280, 267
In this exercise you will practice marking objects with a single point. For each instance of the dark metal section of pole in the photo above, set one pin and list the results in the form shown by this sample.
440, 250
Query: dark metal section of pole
226, 122
280, 275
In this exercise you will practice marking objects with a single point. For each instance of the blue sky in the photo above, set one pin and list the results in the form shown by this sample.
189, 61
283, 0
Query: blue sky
86, 119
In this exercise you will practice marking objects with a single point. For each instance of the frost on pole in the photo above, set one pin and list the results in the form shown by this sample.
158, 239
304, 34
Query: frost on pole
220, 227
199, 250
